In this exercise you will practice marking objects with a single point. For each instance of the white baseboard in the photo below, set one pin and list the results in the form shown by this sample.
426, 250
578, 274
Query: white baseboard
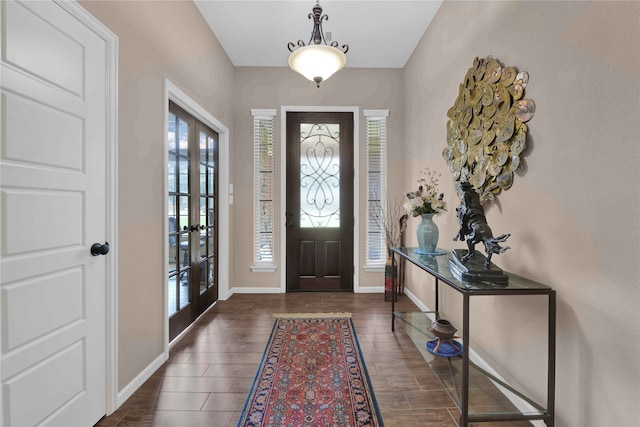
240, 290
369, 290
130, 388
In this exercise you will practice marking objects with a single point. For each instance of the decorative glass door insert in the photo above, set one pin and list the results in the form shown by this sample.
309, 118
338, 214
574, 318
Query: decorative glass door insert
319, 175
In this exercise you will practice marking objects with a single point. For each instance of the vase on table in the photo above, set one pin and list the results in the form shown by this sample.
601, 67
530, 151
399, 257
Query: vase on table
390, 279
427, 233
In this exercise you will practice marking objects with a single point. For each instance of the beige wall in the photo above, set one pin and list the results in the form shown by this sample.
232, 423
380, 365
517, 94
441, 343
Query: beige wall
573, 210
157, 40
260, 87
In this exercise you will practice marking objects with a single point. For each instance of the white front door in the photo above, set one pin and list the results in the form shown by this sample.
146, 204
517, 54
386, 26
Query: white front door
52, 209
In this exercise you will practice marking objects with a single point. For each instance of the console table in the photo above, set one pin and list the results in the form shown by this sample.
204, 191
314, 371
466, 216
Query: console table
437, 266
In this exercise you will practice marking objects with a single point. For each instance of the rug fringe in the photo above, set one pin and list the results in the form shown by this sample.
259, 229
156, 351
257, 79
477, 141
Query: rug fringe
311, 315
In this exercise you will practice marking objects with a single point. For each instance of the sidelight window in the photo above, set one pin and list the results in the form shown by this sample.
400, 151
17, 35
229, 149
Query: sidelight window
263, 238
376, 123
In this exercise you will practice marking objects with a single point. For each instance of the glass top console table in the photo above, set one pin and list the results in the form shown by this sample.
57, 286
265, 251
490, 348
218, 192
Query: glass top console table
437, 266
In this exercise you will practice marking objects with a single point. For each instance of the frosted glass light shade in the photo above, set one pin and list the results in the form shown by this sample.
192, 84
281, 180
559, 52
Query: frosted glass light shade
317, 62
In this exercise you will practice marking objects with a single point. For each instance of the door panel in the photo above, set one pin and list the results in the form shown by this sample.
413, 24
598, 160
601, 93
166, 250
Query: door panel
65, 139
319, 215
52, 209
25, 300
43, 46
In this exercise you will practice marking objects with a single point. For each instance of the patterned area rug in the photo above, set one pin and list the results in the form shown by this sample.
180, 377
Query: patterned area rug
312, 374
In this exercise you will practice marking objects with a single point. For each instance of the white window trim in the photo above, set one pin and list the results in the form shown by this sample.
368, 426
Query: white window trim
260, 266
375, 265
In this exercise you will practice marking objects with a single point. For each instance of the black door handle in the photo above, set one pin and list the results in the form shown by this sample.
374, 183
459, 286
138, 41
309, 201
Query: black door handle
99, 249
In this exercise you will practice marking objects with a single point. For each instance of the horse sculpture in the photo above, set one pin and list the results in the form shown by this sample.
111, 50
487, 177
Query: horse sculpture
474, 227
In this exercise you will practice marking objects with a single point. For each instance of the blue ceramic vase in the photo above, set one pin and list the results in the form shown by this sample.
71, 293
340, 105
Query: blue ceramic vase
428, 234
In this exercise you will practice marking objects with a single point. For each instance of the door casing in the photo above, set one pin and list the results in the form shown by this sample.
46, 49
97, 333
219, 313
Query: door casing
198, 301
174, 93
356, 186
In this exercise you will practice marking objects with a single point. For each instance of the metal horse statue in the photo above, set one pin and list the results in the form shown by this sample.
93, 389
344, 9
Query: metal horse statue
474, 227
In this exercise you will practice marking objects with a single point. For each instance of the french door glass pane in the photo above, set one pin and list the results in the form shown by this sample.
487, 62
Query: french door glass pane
183, 138
173, 235
172, 132
204, 275
183, 290
212, 216
184, 213
319, 175
211, 145
172, 170
203, 179
184, 175
211, 241
211, 180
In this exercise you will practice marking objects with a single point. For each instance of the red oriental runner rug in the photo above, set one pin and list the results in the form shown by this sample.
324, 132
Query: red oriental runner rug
312, 374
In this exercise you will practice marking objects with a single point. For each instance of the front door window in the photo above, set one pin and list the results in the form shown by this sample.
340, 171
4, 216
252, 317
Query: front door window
319, 175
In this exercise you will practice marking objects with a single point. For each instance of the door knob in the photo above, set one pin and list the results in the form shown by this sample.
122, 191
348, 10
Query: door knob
99, 249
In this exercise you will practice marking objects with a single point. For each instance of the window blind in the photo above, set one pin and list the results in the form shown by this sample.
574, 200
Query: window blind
376, 124
263, 128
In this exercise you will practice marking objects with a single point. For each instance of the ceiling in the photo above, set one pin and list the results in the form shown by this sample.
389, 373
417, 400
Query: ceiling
380, 34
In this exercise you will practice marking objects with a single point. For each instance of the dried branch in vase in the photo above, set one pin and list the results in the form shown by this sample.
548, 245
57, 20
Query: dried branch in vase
389, 219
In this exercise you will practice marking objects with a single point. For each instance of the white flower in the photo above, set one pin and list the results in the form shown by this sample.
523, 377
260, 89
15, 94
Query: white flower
425, 199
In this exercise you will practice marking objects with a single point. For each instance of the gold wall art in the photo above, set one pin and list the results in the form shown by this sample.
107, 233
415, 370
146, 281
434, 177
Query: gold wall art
486, 131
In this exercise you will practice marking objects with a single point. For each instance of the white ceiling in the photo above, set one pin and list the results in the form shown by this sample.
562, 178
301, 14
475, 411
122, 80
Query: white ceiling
380, 34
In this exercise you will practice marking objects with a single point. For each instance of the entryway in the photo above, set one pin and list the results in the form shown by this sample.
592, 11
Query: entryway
319, 216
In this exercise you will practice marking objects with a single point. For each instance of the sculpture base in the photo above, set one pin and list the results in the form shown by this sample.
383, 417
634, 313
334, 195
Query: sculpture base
473, 269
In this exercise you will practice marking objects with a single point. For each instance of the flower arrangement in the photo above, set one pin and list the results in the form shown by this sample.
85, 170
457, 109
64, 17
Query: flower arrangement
426, 199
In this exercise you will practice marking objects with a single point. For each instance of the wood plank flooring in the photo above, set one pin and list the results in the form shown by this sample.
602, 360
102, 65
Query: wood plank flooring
211, 368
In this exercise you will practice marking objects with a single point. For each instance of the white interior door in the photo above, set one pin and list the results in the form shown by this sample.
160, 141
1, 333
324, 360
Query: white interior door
52, 207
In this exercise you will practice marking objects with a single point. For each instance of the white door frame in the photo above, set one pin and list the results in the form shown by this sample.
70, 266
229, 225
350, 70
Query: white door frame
356, 185
111, 225
175, 94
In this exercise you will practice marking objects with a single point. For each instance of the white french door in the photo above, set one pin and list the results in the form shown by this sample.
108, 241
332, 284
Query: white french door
53, 210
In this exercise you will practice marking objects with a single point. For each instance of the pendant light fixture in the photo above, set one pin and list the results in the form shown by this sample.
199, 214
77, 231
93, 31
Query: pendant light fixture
317, 60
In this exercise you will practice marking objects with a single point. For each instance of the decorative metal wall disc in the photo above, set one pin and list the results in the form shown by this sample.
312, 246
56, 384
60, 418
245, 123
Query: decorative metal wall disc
486, 131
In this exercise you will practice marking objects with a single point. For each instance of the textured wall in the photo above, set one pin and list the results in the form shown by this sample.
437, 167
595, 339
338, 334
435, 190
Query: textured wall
157, 40
573, 210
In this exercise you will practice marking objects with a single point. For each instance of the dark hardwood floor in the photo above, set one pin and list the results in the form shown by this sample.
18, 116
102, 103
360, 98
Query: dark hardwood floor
211, 368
